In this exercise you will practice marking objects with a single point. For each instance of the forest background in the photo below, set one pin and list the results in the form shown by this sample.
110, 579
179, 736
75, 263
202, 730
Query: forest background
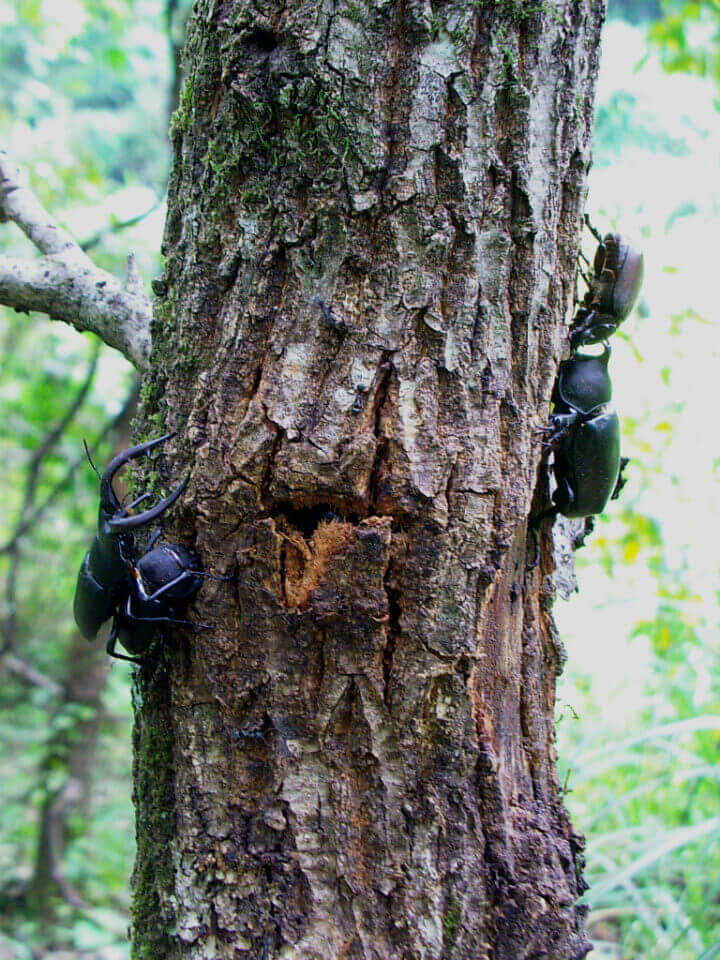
87, 89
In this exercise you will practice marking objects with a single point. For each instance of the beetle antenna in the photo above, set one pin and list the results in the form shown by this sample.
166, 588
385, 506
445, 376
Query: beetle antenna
87, 454
592, 229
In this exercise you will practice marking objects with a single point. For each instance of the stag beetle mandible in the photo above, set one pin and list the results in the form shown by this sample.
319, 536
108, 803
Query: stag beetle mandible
614, 287
140, 594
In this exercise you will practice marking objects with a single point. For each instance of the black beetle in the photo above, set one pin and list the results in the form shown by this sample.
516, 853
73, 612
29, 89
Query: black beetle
139, 594
617, 276
584, 435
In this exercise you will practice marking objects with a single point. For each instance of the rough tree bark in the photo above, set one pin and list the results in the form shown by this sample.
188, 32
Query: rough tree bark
373, 222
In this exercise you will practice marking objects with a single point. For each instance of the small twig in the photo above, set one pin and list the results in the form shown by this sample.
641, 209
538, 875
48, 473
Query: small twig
97, 238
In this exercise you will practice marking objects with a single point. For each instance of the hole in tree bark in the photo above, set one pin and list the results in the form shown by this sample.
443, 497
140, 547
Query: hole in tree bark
307, 519
263, 40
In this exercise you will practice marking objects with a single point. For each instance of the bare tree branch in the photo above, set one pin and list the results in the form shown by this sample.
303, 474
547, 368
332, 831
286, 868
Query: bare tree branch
28, 673
64, 283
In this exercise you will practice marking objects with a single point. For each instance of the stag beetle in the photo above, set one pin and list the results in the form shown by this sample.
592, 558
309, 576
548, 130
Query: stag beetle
140, 594
584, 435
614, 287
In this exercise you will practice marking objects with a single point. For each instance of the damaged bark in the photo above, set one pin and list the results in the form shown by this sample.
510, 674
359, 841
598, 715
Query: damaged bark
371, 239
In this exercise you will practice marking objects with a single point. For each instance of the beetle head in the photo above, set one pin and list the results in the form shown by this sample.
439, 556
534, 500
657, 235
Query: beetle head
113, 516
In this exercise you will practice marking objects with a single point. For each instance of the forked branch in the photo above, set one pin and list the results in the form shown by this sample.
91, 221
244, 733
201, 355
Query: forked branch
64, 283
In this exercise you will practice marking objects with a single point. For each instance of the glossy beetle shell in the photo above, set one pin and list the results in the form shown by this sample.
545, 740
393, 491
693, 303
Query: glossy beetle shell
583, 383
618, 271
94, 602
163, 564
587, 465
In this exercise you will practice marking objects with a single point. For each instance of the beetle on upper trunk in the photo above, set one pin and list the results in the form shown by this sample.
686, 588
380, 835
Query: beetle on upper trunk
139, 594
614, 287
584, 435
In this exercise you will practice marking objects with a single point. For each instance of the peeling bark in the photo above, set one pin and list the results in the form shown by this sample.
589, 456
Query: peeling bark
370, 247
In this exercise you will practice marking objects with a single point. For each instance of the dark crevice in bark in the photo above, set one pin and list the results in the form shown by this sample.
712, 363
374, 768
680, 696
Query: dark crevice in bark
264, 41
308, 518
375, 483
396, 104
381, 452
393, 629
283, 572
264, 492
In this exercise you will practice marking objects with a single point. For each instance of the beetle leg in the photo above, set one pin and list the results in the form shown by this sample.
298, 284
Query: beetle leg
621, 480
132, 616
584, 275
550, 512
560, 425
195, 627
110, 646
180, 578
563, 498
544, 443
185, 575
154, 537
131, 506
112, 639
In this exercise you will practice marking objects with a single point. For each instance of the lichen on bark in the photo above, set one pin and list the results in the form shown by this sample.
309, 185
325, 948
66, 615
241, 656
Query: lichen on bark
370, 245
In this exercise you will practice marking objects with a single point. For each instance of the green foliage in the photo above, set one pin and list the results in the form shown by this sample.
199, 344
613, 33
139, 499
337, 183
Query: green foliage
638, 728
83, 110
634, 11
640, 764
619, 124
688, 37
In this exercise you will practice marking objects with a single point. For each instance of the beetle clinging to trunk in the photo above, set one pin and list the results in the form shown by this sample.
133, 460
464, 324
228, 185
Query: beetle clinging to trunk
584, 434
613, 290
141, 594
584, 429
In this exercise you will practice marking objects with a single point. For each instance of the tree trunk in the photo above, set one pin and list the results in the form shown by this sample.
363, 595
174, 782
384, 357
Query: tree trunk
371, 240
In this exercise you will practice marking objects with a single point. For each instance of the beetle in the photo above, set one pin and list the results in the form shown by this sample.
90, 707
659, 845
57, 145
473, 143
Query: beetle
584, 436
614, 287
140, 594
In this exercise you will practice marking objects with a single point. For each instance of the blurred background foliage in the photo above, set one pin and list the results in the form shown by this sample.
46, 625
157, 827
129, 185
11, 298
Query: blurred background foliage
87, 89
639, 703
